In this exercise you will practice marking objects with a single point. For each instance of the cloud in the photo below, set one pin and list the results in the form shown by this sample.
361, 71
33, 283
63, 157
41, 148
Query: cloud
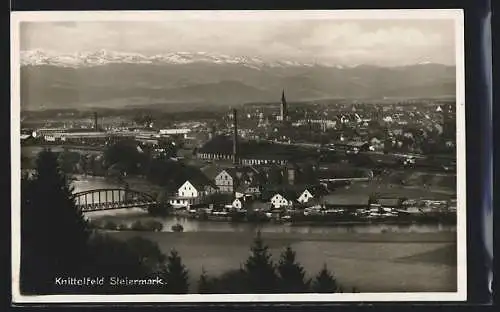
343, 42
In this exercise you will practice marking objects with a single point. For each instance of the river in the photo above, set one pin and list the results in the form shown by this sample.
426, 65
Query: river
372, 258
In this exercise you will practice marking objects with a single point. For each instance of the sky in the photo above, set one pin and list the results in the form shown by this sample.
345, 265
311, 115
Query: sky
341, 42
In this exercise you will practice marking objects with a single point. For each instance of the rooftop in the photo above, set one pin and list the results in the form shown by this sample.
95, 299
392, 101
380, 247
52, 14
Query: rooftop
251, 149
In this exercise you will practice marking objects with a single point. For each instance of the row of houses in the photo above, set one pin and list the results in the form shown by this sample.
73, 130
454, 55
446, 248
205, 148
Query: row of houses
242, 189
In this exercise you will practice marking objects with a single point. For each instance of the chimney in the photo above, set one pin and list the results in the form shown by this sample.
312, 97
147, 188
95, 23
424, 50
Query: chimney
95, 122
235, 138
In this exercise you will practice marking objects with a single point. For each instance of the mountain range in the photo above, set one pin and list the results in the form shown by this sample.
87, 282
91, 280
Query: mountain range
115, 79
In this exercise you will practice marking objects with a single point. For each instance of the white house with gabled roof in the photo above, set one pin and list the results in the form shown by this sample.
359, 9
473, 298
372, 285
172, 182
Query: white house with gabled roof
278, 201
191, 192
305, 196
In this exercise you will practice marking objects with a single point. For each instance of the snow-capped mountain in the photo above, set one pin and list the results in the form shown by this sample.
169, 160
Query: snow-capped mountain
112, 79
103, 57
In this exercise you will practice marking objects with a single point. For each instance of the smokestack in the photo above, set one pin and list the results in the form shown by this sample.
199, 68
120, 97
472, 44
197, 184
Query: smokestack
96, 128
235, 137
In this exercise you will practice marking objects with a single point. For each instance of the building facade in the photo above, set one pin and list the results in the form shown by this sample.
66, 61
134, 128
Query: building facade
190, 193
225, 182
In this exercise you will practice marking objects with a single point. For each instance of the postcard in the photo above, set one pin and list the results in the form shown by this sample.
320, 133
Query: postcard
238, 156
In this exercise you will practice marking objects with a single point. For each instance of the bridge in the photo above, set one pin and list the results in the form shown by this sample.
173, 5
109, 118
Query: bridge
107, 199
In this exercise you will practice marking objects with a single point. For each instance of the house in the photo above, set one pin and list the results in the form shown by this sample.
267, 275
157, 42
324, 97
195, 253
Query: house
397, 131
226, 180
242, 202
283, 199
305, 196
247, 189
312, 192
238, 203
377, 143
193, 191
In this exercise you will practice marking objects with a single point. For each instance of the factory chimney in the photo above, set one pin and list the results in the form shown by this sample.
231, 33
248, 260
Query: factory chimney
235, 138
96, 126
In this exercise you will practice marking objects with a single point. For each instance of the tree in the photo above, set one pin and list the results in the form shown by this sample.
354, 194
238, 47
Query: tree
83, 163
291, 273
275, 176
162, 206
54, 233
176, 275
231, 282
325, 282
144, 120
205, 283
68, 160
259, 268
149, 254
124, 153
308, 175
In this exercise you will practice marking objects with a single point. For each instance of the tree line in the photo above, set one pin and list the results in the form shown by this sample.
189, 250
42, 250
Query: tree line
57, 242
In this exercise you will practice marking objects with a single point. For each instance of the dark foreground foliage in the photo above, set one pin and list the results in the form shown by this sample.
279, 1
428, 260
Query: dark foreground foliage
57, 244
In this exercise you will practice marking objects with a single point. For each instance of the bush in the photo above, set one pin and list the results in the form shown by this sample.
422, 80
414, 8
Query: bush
154, 225
110, 225
93, 224
122, 227
161, 209
151, 225
137, 226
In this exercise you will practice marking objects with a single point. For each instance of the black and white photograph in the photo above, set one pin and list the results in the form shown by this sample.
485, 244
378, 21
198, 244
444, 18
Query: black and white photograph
238, 156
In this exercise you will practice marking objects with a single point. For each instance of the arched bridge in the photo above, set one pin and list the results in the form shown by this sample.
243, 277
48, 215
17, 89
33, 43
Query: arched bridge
106, 199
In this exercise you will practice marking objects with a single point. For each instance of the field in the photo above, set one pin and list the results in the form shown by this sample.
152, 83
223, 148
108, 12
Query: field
416, 185
371, 263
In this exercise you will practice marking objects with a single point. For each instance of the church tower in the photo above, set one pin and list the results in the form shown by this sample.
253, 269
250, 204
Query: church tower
284, 108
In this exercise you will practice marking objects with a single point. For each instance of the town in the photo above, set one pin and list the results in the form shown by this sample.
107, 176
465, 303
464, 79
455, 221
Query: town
331, 161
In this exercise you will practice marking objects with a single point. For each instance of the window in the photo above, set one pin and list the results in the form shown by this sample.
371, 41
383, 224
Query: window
182, 193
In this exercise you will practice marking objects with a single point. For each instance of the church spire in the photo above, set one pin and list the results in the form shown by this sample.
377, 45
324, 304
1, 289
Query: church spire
284, 108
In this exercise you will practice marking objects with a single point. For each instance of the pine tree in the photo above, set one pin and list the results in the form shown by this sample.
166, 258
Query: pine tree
54, 233
231, 282
176, 275
204, 285
259, 268
291, 273
325, 282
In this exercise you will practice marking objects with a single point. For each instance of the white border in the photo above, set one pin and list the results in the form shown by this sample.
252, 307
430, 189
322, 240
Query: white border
456, 15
